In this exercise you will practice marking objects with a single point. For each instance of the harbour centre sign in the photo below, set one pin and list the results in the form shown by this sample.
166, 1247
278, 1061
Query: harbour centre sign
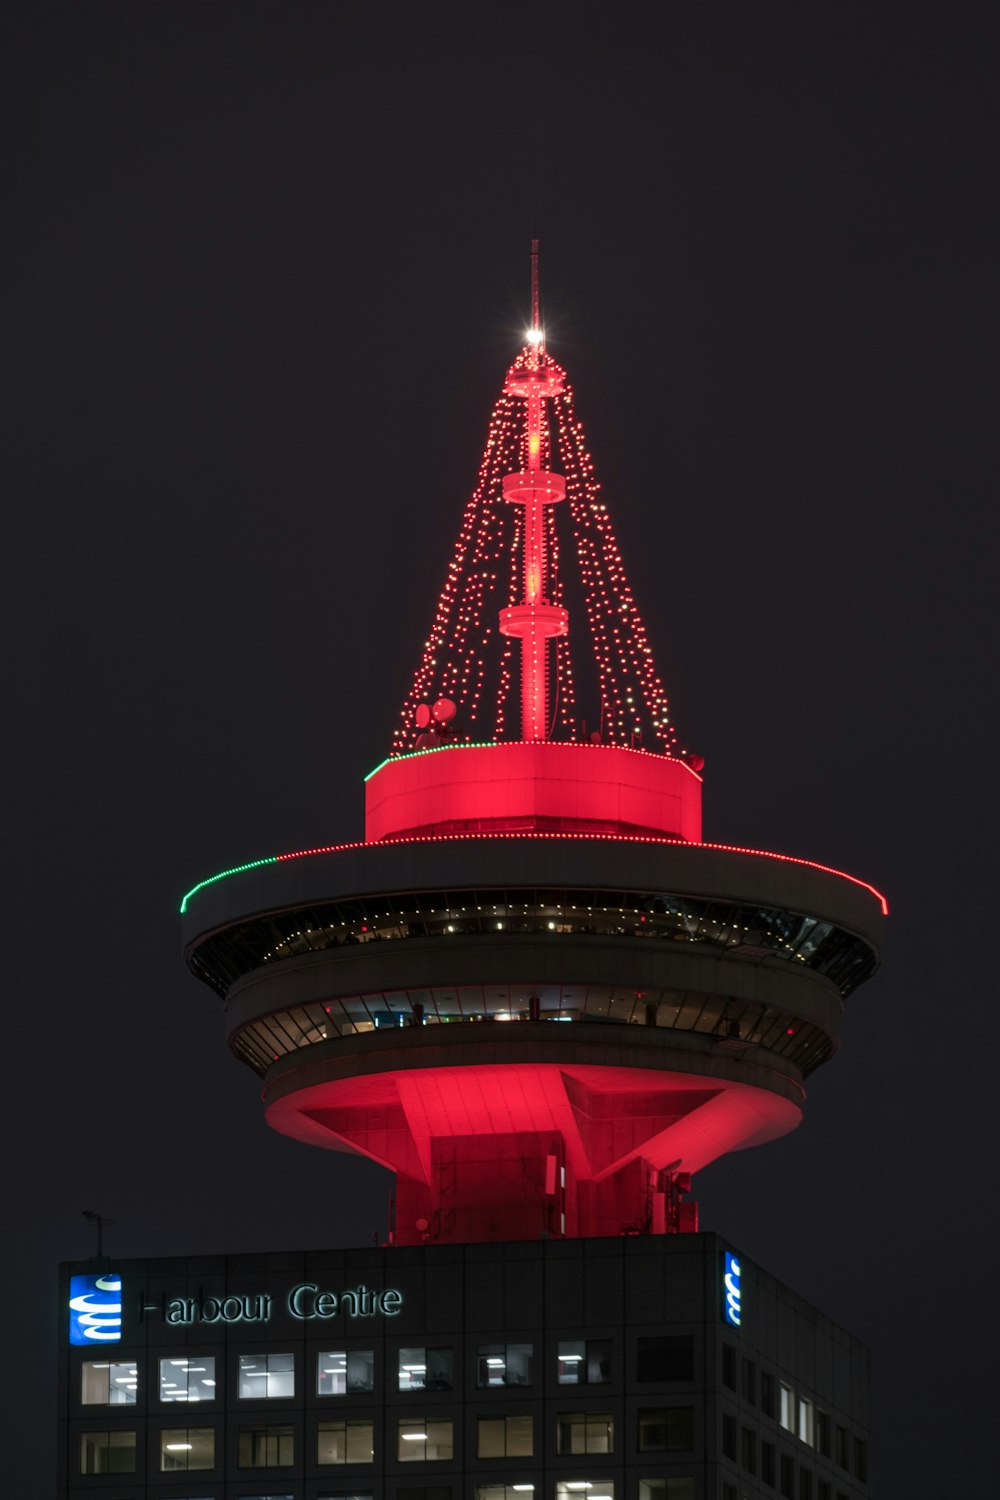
306, 1301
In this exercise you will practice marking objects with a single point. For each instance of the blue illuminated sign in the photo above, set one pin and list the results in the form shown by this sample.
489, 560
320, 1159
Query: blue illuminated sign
731, 1290
95, 1309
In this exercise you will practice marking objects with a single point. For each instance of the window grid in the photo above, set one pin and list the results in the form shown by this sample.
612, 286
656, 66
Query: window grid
345, 1441
345, 1372
505, 1437
107, 1452
266, 1377
109, 1383
186, 1448
424, 1439
271, 1447
585, 1432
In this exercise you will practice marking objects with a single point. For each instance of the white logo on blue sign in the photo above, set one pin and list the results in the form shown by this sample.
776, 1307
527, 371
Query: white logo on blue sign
95, 1309
732, 1290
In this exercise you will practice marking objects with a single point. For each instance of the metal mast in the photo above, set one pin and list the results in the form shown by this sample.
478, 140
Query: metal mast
534, 620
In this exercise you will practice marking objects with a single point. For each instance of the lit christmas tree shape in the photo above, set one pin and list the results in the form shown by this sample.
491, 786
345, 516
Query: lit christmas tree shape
506, 643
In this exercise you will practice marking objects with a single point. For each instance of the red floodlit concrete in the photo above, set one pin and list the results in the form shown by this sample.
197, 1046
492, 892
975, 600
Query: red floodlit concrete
535, 1147
546, 787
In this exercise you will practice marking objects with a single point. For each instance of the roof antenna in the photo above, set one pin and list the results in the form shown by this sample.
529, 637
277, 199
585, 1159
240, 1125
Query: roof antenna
537, 337
99, 1221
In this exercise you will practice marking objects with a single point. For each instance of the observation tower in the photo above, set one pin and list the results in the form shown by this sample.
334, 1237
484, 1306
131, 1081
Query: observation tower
534, 992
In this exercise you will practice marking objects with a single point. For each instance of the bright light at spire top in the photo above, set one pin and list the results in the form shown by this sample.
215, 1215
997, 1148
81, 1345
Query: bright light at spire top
534, 335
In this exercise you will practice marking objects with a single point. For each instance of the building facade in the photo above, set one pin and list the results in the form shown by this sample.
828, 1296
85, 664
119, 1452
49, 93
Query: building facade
529, 1370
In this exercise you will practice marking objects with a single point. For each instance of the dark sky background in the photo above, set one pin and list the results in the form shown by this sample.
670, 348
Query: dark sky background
265, 267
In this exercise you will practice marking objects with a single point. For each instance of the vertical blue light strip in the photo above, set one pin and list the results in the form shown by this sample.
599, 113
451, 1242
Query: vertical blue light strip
732, 1293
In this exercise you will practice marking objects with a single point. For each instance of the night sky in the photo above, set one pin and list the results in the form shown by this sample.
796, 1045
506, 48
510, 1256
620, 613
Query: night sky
266, 265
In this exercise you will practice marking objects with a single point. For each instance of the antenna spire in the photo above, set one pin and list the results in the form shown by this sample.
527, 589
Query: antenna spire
536, 324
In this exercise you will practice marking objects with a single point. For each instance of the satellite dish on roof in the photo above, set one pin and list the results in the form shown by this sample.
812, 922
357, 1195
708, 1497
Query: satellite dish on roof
444, 711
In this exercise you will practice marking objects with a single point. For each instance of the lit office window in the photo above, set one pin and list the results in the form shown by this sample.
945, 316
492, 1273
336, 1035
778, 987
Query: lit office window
806, 1423
504, 1364
786, 1407
585, 1489
345, 1442
505, 1492
677, 1487
425, 1369
266, 1377
104, 1383
188, 1379
584, 1362
504, 1437
342, 1372
107, 1453
187, 1448
585, 1432
419, 1440
266, 1447
667, 1429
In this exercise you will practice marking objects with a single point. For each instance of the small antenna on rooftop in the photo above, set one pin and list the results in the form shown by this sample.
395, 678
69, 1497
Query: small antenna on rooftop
99, 1221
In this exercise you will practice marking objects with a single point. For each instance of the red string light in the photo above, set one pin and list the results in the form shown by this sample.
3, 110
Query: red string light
466, 656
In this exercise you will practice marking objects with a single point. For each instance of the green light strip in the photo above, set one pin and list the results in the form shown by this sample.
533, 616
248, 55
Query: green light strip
271, 859
434, 750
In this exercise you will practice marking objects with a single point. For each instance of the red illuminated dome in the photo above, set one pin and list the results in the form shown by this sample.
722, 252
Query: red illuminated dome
533, 992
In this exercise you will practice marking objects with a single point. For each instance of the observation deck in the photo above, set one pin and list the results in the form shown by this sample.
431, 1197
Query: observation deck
533, 992
457, 1006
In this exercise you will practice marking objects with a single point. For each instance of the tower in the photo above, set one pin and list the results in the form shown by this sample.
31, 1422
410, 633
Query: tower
544, 1002
534, 992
